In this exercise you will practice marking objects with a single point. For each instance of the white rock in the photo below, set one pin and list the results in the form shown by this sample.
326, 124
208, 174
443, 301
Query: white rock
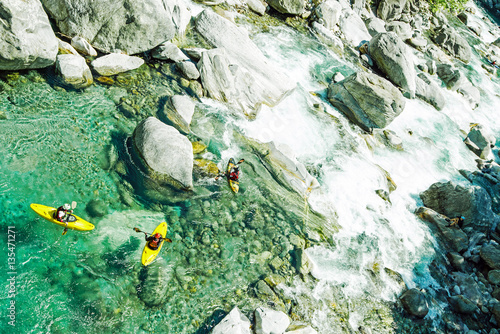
353, 27
180, 15
81, 45
66, 48
74, 70
269, 321
115, 63
179, 110
188, 70
169, 51
257, 6
328, 13
233, 323
328, 37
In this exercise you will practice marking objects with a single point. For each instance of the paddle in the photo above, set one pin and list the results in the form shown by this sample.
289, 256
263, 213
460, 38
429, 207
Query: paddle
139, 231
73, 206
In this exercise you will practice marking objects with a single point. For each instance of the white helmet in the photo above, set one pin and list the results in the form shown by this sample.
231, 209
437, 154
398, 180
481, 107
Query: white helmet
66, 206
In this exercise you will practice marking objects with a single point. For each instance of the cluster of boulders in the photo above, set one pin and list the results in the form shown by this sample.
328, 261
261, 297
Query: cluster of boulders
267, 321
464, 219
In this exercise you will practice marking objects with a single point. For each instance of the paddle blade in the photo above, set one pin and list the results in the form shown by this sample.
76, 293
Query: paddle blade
137, 230
168, 240
65, 231
241, 161
73, 205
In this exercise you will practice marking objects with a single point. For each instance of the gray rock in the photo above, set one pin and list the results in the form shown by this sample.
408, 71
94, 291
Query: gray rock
452, 200
494, 276
83, 46
470, 22
375, 25
169, 51
328, 13
328, 37
234, 322
167, 154
353, 27
394, 58
491, 255
367, 100
469, 287
302, 262
437, 54
269, 321
267, 295
180, 15
389, 10
137, 26
74, 71
429, 91
257, 6
179, 110
456, 81
293, 7
454, 238
250, 79
495, 310
402, 29
188, 70
447, 38
457, 261
27, 38
414, 302
194, 53
115, 63
462, 305
482, 141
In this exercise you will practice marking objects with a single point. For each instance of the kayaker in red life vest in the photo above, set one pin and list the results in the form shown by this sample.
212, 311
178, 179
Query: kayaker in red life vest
235, 173
63, 212
154, 241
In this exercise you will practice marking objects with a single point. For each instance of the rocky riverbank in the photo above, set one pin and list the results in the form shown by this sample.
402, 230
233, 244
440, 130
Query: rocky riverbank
400, 50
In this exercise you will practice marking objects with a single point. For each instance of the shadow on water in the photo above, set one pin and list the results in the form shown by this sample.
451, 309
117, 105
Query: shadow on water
117, 260
211, 321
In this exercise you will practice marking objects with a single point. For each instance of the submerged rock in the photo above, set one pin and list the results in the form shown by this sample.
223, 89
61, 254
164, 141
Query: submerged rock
394, 58
237, 72
27, 38
115, 63
136, 26
167, 154
234, 322
74, 71
154, 280
367, 100
415, 303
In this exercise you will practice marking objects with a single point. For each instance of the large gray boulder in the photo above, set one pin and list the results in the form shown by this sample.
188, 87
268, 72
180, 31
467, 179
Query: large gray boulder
394, 58
480, 141
268, 321
115, 63
293, 7
389, 10
456, 81
179, 110
415, 303
167, 154
27, 40
74, 71
429, 91
452, 200
447, 38
117, 26
367, 100
238, 65
234, 322
454, 238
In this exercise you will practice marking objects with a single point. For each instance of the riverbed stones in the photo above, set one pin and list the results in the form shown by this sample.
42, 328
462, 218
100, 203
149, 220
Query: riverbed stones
167, 154
303, 264
236, 71
302, 330
74, 71
267, 295
257, 6
27, 41
453, 200
393, 57
415, 303
367, 100
234, 322
268, 321
115, 63
137, 26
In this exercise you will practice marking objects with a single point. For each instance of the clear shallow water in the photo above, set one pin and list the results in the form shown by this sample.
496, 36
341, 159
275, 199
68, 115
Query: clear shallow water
53, 149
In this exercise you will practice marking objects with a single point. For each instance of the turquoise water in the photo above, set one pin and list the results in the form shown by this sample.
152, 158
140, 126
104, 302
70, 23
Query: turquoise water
59, 145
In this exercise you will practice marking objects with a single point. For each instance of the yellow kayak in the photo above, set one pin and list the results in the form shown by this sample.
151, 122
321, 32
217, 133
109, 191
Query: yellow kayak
235, 185
48, 213
148, 255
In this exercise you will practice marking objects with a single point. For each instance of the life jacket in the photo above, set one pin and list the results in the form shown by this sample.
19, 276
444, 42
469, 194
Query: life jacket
234, 175
153, 244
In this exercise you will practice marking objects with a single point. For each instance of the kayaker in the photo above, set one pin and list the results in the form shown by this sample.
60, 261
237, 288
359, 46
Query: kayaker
235, 173
154, 241
63, 213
